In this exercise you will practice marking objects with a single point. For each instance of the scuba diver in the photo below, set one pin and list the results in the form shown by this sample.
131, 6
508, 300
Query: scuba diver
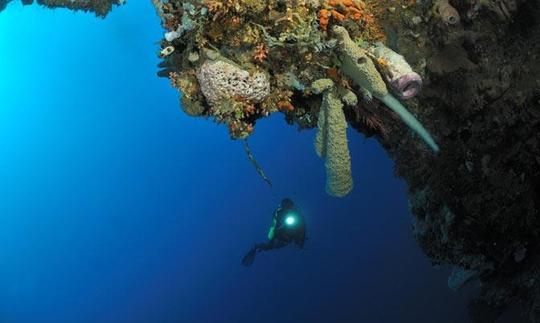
288, 226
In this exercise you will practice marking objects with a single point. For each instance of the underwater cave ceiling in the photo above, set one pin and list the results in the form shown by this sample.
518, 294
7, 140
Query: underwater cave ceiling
466, 143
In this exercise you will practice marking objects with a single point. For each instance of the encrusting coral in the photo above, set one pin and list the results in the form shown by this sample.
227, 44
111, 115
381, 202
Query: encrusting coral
237, 61
356, 10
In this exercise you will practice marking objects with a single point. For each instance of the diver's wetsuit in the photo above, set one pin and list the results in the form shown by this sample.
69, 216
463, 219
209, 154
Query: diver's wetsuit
288, 226
280, 234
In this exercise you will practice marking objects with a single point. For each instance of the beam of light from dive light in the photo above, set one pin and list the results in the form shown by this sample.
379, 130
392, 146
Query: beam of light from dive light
290, 219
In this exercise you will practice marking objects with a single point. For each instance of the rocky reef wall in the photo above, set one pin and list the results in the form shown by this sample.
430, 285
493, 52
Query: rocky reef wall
475, 205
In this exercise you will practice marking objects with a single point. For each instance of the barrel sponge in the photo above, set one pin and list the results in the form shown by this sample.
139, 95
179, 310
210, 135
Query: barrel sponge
220, 79
357, 65
331, 144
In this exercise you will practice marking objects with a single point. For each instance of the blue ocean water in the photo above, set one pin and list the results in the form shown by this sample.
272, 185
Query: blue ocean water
117, 207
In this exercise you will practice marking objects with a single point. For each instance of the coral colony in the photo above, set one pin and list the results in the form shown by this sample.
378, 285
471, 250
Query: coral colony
239, 61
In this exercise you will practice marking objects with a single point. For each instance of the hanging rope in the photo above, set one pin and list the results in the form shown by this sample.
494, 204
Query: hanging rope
252, 159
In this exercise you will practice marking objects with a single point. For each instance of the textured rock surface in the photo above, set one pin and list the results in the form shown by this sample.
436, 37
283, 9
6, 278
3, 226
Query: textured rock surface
476, 205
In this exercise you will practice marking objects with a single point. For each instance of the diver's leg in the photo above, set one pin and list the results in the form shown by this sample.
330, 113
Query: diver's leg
300, 240
278, 243
249, 258
272, 244
263, 246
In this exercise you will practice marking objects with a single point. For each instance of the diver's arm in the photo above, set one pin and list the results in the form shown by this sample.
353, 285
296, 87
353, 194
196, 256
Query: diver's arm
272, 230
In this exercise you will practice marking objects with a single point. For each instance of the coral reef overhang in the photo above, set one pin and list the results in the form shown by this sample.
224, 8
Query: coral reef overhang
475, 205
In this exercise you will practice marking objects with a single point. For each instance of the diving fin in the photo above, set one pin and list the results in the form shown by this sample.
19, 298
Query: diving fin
249, 258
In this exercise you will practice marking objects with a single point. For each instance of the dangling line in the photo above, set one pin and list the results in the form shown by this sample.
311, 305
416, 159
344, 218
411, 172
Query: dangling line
259, 169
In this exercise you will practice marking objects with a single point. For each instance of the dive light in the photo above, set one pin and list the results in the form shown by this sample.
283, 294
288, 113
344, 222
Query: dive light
291, 219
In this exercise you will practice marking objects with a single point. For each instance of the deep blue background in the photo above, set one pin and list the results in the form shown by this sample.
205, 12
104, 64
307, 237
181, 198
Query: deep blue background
117, 207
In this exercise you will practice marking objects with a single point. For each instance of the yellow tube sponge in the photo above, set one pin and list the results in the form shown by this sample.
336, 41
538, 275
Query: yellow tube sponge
331, 140
357, 65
